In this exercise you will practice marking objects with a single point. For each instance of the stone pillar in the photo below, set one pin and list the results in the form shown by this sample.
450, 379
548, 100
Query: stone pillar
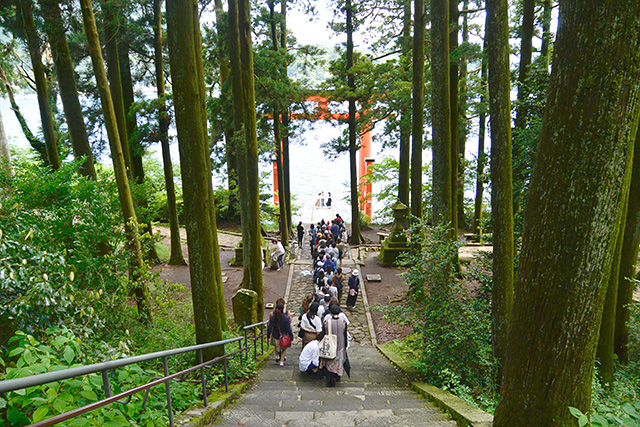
245, 303
397, 242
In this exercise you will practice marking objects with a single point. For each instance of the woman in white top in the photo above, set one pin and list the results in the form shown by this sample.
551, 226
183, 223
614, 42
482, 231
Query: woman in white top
311, 323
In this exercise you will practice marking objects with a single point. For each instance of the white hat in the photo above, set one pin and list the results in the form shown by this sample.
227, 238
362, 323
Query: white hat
354, 272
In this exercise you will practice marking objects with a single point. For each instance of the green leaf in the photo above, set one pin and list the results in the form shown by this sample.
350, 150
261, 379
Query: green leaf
3, 403
575, 412
69, 354
60, 340
123, 375
60, 405
89, 395
28, 357
16, 351
598, 420
40, 413
629, 422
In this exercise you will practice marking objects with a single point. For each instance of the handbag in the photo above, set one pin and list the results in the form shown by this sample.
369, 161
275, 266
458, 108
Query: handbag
301, 333
352, 292
285, 340
329, 345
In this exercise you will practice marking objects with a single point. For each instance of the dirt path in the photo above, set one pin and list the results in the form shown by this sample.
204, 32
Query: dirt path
275, 282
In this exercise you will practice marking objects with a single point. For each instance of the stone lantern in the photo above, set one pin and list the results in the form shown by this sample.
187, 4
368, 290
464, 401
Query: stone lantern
397, 242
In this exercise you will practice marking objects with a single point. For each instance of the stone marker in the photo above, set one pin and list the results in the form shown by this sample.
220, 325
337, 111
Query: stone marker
374, 278
245, 306
397, 242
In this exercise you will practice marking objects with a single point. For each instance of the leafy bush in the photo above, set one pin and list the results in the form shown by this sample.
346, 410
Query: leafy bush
451, 323
61, 349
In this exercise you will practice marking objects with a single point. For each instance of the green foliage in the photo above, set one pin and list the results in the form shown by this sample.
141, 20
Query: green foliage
630, 417
451, 321
386, 172
61, 349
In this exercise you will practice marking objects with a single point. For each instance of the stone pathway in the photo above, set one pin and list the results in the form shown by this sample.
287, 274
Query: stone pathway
375, 395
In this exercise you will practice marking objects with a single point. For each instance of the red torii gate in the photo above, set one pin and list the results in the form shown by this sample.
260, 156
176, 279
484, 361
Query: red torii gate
364, 159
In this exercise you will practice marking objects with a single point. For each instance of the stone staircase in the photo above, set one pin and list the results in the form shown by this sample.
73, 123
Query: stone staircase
375, 395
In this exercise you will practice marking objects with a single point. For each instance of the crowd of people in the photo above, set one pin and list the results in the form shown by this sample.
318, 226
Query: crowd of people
323, 325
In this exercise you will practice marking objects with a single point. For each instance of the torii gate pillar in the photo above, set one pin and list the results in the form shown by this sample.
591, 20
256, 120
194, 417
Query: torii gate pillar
364, 166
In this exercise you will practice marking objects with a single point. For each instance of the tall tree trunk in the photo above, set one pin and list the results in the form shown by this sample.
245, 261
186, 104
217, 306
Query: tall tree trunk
463, 124
284, 130
356, 235
628, 260
48, 128
183, 35
580, 177
126, 81
501, 185
526, 35
405, 113
67, 83
136, 149
441, 113
34, 142
606, 337
417, 118
110, 25
454, 70
282, 198
237, 140
477, 211
244, 105
176, 257
124, 192
5, 155
222, 27
207, 157
547, 35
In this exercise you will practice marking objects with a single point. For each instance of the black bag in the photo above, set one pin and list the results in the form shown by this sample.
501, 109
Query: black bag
301, 333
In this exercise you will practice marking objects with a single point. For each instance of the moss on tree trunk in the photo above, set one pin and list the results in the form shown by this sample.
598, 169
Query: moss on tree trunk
184, 42
176, 257
54, 27
501, 184
140, 289
441, 113
628, 260
417, 118
46, 116
572, 214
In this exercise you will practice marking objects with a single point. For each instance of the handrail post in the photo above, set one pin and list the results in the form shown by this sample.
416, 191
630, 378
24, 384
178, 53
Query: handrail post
246, 343
204, 380
168, 387
226, 376
261, 340
105, 383
255, 344
240, 354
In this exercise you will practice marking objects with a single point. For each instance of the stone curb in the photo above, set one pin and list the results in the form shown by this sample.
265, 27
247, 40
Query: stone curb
200, 417
464, 414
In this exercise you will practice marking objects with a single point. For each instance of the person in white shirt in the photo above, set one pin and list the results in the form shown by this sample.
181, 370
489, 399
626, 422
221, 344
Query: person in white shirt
281, 253
309, 359
342, 316
311, 323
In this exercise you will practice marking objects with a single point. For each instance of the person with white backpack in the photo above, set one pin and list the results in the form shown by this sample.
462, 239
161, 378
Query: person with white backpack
332, 350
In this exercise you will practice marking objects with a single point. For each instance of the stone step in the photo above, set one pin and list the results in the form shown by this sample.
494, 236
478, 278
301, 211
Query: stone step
375, 395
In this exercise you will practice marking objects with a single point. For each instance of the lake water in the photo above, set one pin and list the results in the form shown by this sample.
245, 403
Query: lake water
311, 171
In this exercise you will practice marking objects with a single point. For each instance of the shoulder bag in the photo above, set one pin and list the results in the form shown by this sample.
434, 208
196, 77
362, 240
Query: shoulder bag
329, 344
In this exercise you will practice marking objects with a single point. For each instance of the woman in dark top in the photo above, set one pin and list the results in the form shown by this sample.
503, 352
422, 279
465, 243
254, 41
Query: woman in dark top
279, 324
300, 229
354, 289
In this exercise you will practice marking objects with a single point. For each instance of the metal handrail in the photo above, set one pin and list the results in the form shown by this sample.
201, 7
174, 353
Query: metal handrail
105, 367
49, 377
